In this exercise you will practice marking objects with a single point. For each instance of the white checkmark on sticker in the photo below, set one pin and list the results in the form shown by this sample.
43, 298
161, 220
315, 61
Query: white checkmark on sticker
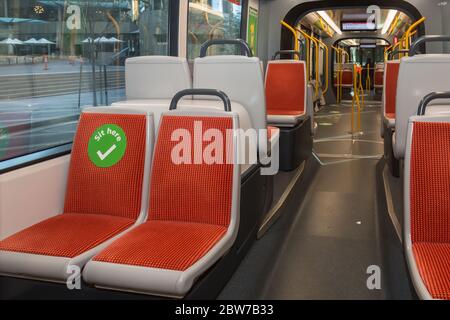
103, 156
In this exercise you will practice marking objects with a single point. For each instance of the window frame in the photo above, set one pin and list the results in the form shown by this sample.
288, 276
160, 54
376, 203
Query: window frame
32, 158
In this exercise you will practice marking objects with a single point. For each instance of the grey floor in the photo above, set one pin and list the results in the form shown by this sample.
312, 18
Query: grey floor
322, 247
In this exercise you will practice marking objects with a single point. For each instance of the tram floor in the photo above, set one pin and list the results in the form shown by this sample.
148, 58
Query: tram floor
327, 246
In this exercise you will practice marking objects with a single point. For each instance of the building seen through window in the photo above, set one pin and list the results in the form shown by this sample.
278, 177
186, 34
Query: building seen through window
58, 56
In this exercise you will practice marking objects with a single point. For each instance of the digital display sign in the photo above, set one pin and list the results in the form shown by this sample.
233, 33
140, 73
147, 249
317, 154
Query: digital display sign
358, 26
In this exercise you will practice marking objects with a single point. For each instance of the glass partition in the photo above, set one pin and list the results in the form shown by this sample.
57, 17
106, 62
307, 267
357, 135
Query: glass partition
213, 19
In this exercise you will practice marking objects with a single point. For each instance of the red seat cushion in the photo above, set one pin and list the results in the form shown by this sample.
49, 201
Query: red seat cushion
285, 89
433, 262
66, 235
390, 87
116, 190
163, 244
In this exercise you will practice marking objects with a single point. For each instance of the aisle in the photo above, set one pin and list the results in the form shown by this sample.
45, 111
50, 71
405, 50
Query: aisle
323, 248
334, 238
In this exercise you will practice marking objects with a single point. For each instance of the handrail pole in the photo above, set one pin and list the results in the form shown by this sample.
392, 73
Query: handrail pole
361, 87
316, 42
386, 56
327, 66
345, 54
391, 29
368, 80
354, 100
410, 29
296, 43
304, 34
338, 75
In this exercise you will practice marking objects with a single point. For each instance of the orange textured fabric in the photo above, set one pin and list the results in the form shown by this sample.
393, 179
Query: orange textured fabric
66, 235
116, 190
379, 78
390, 87
285, 89
430, 182
163, 244
433, 262
192, 192
390, 115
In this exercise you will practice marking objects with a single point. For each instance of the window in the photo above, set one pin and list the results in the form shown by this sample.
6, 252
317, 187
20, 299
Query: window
213, 19
57, 57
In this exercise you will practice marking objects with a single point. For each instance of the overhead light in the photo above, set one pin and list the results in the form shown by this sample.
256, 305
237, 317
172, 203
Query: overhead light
389, 19
330, 21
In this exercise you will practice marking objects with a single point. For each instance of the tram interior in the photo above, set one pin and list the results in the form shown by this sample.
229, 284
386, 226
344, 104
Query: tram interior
348, 197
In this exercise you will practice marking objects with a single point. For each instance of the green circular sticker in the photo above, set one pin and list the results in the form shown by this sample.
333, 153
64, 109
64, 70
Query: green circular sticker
107, 145
4, 140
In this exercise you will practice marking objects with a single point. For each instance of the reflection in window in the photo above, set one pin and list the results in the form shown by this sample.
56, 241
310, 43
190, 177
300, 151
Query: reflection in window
58, 56
213, 19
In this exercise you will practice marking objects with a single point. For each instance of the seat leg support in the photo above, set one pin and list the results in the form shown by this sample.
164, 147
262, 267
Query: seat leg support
295, 145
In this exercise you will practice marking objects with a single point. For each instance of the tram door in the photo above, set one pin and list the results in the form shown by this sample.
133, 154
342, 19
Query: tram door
367, 58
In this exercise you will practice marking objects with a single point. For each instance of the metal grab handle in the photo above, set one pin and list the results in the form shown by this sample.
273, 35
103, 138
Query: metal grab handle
201, 92
395, 52
239, 42
292, 52
430, 97
424, 39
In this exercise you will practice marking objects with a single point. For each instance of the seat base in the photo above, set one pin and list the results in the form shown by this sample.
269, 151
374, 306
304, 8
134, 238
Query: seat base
285, 120
295, 145
47, 249
253, 193
392, 162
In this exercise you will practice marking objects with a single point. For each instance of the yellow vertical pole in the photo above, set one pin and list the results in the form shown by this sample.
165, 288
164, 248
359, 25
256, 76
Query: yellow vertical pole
307, 36
337, 74
368, 80
316, 42
354, 99
361, 88
327, 66
308, 60
296, 43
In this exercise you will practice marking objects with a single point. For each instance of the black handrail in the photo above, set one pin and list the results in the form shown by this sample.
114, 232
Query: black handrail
424, 39
239, 42
395, 52
201, 92
292, 52
430, 97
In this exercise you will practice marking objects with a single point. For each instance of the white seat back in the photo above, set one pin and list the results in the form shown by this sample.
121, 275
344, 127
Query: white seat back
418, 76
240, 77
156, 77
